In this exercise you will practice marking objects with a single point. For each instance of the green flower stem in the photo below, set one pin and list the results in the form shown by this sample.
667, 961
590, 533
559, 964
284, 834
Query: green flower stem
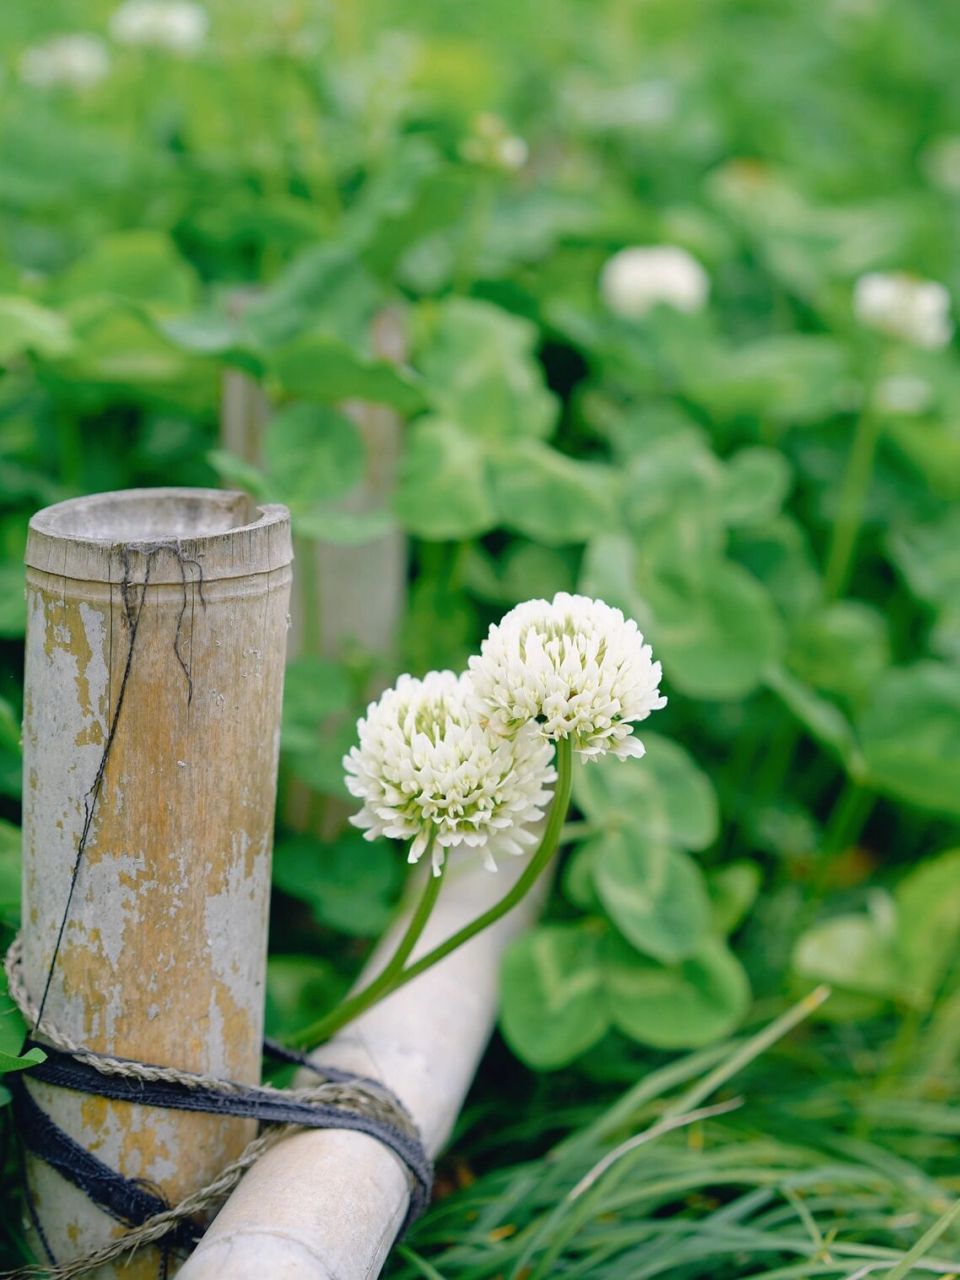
545, 851
394, 976
848, 817
853, 495
319, 1031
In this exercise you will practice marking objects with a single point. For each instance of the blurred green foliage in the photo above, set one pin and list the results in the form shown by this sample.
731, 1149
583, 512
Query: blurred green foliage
768, 487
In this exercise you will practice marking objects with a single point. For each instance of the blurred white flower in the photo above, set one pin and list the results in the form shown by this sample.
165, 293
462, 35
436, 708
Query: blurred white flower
904, 306
635, 280
511, 152
176, 25
429, 771
491, 144
573, 665
75, 61
904, 393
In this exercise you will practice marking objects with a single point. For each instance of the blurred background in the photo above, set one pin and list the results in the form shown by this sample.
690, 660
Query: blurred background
652, 300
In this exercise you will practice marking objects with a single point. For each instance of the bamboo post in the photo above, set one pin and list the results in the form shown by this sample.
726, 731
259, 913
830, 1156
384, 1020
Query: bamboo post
326, 1205
164, 951
358, 590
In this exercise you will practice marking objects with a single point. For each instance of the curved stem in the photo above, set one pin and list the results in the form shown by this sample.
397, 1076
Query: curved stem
355, 1004
379, 987
545, 851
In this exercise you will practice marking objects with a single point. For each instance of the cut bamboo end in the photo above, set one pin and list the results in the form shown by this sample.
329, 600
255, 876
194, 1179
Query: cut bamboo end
164, 951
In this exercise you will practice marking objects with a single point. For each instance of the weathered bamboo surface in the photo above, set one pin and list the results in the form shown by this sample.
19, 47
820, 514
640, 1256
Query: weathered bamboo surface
164, 951
328, 1205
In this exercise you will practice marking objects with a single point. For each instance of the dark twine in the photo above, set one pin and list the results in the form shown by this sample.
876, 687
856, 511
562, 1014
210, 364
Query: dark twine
342, 1101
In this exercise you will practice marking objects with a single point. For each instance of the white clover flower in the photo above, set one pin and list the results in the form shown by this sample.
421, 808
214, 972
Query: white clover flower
428, 770
492, 144
74, 61
903, 393
178, 26
634, 281
573, 665
904, 306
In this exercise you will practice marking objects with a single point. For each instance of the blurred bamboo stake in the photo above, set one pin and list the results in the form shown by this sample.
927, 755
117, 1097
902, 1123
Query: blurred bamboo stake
343, 595
327, 1205
164, 951
360, 590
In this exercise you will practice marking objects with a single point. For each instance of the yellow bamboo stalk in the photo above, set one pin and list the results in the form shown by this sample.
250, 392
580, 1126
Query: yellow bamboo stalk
164, 952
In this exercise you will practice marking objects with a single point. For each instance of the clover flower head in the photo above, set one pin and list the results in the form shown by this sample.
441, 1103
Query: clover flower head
576, 668
179, 26
905, 307
903, 393
428, 770
75, 61
635, 280
492, 144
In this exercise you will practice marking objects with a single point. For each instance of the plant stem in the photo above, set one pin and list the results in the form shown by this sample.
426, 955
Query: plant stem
381, 987
853, 494
319, 1031
545, 851
847, 818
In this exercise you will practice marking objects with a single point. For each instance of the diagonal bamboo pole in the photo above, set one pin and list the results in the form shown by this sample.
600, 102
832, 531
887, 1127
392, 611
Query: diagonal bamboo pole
160, 939
328, 1205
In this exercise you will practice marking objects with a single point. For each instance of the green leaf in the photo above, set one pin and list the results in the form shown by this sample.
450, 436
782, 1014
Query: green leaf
716, 632
733, 890
663, 798
343, 528
443, 487
522, 571
26, 326
324, 289
852, 952
676, 471
928, 557
13, 607
321, 367
10, 842
350, 885
547, 496
236, 473
12, 1062
841, 648
141, 266
654, 894
577, 877
754, 485
481, 373
10, 753
552, 1003
299, 990
13, 1031
313, 690
910, 733
121, 347
822, 720
788, 378
779, 555
928, 922
681, 1006
320, 765
311, 454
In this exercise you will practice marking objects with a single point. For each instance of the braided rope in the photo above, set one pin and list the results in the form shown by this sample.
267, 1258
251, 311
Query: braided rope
353, 1094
